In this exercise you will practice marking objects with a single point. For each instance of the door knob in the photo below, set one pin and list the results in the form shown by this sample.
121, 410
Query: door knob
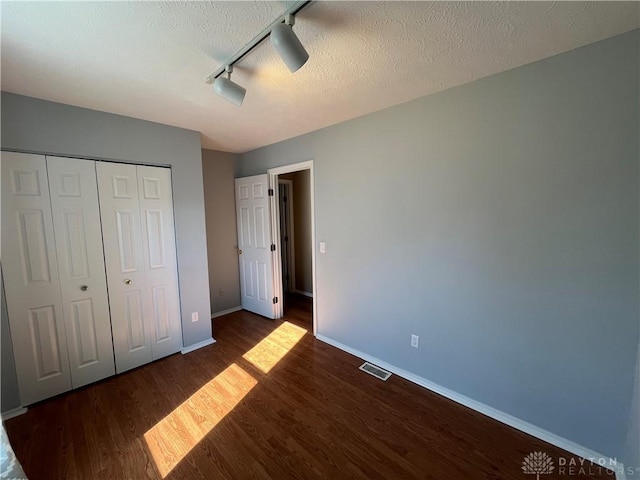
128, 282
84, 288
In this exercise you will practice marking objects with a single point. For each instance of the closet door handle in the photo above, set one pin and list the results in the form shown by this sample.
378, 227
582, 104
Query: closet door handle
84, 288
128, 282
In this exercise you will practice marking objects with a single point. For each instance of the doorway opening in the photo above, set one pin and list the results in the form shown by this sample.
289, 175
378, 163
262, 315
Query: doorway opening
294, 205
293, 230
287, 234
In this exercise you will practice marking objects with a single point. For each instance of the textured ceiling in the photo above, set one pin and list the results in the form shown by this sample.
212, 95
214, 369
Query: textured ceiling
149, 59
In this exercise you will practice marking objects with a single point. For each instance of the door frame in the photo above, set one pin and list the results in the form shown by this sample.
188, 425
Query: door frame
275, 233
291, 252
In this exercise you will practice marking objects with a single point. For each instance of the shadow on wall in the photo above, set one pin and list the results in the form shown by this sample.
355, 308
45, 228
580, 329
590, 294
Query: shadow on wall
10, 397
218, 173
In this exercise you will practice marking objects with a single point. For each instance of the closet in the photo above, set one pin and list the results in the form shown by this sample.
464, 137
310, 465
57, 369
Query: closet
89, 269
137, 221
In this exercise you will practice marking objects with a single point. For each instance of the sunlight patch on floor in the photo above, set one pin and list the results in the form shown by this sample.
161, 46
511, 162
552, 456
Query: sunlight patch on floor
271, 349
171, 439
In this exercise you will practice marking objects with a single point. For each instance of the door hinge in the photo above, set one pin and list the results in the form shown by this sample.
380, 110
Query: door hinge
273, 247
275, 300
271, 192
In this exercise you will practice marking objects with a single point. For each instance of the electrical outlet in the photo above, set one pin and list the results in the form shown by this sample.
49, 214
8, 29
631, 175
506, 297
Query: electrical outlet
415, 341
194, 316
323, 247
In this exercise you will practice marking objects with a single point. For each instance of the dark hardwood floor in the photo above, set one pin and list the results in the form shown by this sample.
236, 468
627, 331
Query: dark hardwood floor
267, 401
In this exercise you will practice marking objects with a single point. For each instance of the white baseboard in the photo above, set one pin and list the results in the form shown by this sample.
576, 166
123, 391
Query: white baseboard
306, 294
14, 412
226, 312
196, 346
491, 412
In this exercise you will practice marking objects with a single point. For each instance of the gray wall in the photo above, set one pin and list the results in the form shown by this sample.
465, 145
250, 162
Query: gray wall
38, 126
9, 397
302, 228
218, 170
498, 220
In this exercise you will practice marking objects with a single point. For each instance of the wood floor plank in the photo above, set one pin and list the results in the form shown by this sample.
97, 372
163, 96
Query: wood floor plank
267, 401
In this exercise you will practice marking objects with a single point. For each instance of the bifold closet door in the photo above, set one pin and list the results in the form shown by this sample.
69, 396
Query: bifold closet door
31, 280
139, 248
122, 237
159, 250
83, 285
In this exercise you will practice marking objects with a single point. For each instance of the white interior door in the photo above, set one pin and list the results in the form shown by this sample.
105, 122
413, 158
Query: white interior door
124, 261
76, 222
254, 245
31, 279
159, 249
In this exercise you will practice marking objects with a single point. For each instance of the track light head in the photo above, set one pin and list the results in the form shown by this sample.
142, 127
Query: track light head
230, 91
284, 41
288, 45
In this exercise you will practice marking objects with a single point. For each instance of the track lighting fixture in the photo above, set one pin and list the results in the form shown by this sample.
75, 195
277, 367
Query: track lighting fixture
229, 90
288, 45
284, 41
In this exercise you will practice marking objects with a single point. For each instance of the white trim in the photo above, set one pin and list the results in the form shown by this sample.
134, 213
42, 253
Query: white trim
494, 413
276, 262
306, 294
275, 227
292, 167
196, 346
14, 412
226, 312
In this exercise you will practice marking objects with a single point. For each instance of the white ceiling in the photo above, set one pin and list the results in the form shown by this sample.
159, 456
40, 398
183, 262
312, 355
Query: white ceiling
149, 59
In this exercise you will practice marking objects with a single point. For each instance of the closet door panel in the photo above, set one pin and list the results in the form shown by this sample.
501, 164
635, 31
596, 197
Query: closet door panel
158, 235
32, 285
123, 253
76, 219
